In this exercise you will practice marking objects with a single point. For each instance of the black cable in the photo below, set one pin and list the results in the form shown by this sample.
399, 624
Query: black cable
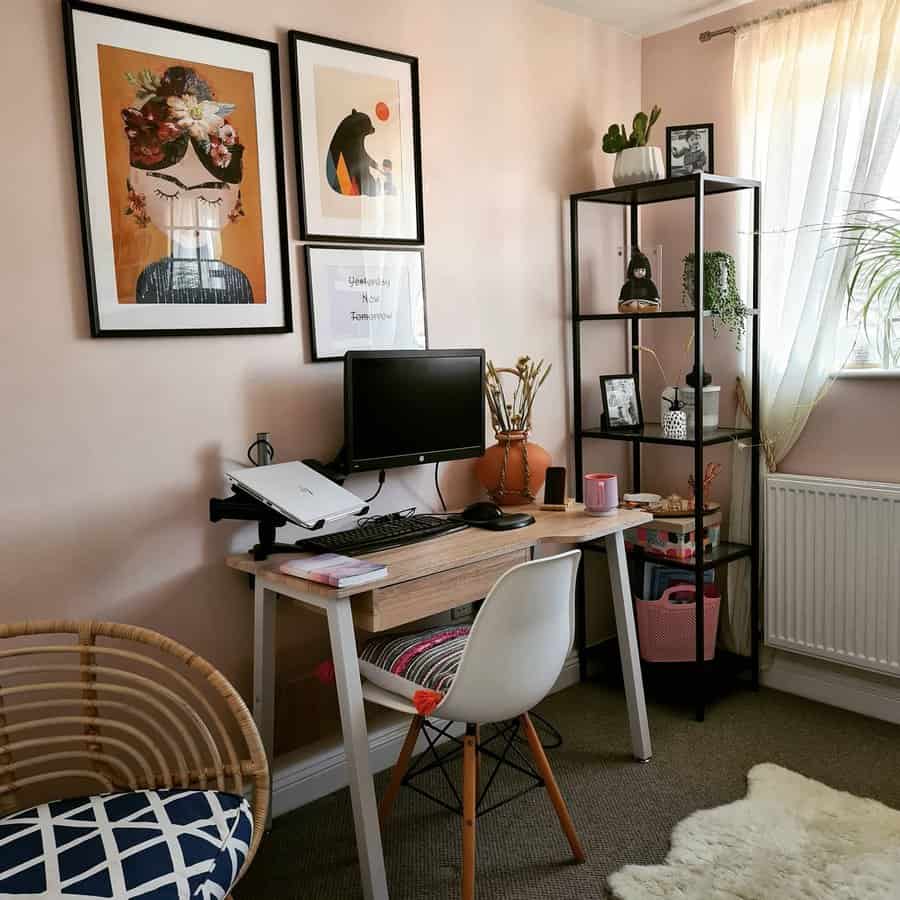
381, 477
437, 487
555, 737
257, 443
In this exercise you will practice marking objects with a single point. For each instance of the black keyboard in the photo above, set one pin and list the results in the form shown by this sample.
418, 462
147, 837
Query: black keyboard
382, 533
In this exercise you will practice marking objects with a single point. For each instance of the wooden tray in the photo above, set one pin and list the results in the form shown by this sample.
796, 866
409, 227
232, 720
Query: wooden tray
660, 511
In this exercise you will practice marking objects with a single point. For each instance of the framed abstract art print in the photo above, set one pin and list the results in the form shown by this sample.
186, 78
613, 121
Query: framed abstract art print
178, 153
356, 121
365, 299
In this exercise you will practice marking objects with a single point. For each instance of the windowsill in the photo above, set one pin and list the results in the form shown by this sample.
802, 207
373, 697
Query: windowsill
867, 373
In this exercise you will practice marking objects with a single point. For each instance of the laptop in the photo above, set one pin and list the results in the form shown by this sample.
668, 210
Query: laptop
298, 492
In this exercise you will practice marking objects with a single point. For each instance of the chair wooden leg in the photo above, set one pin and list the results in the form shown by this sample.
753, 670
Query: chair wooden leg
400, 767
477, 759
470, 789
556, 798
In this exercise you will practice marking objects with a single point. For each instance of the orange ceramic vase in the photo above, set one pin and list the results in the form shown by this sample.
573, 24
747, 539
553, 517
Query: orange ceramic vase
510, 488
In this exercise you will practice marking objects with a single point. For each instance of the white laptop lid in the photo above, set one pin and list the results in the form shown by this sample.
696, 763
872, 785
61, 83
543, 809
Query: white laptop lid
298, 492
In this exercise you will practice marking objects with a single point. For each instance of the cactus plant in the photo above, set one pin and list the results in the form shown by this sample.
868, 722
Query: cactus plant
615, 140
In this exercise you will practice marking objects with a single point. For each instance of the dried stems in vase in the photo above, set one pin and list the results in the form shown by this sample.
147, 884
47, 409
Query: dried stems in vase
514, 414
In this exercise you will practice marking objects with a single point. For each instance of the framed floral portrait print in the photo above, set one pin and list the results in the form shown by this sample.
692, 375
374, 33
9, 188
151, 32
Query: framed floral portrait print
178, 153
356, 122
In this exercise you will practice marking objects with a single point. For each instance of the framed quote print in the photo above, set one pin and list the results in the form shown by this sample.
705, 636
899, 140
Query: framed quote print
356, 121
179, 163
365, 299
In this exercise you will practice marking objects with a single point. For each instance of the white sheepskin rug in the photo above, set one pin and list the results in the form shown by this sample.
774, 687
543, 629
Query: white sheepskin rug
790, 838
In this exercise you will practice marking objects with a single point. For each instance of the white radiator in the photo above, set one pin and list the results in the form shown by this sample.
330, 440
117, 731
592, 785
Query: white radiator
833, 570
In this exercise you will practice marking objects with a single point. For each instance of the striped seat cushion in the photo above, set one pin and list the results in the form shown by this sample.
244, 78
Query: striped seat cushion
406, 663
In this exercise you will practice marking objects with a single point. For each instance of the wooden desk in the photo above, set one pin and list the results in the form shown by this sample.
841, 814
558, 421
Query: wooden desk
423, 579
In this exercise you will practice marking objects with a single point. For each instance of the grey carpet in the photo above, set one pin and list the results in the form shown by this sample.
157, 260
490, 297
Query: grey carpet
624, 811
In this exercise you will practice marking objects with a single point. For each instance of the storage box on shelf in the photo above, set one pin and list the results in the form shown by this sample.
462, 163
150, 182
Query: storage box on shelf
675, 538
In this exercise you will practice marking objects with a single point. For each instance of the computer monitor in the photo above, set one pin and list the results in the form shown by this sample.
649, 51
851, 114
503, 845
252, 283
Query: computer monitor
406, 407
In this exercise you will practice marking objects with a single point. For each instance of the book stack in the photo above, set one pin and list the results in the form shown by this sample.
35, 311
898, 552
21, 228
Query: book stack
334, 570
658, 578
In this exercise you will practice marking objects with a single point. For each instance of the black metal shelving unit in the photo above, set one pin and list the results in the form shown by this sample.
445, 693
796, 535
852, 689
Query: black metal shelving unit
696, 187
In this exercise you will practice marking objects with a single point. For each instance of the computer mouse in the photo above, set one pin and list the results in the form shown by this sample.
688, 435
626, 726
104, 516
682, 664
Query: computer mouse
481, 512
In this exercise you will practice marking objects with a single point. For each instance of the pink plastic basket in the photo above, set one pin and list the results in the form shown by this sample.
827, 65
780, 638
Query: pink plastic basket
667, 630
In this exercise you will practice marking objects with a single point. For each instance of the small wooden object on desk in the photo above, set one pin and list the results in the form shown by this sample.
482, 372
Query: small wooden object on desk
565, 506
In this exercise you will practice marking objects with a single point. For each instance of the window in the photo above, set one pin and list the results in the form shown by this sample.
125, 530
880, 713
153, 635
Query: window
870, 337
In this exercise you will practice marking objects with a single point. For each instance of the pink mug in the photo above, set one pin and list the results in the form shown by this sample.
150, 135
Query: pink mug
601, 494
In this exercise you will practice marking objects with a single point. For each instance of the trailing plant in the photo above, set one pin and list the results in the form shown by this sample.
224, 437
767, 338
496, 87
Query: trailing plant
615, 140
514, 414
720, 294
872, 237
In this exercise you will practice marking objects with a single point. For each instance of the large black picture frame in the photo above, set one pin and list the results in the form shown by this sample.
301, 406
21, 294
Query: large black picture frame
279, 256
308, 233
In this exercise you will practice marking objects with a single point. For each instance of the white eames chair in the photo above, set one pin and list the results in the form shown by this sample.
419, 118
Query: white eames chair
509, 662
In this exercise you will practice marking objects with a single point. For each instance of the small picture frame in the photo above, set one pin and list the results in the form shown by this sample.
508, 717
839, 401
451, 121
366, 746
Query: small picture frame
689, 149
621, 403
365, 298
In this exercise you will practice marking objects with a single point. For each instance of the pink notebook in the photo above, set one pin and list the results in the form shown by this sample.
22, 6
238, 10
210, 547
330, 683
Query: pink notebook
334, 570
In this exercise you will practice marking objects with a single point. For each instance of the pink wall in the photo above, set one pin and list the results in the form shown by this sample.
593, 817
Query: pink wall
855, 431
111, 448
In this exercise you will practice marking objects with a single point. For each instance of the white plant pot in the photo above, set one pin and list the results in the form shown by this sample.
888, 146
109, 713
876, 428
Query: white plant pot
638, 164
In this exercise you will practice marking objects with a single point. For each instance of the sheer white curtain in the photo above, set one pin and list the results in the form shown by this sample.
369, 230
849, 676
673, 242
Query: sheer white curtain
817, 101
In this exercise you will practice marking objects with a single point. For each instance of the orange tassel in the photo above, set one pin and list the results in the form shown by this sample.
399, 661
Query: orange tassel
426, 702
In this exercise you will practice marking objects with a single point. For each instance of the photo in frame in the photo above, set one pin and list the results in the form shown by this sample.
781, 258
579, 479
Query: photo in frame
621, 402
356, 125
365, 299
178, 153
689, 149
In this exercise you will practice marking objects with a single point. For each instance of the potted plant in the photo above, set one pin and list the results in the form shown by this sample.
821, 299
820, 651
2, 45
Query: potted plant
513, 470
720, 294
872, 237
635, 160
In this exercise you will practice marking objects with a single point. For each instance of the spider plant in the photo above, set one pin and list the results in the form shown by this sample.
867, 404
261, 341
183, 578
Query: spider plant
872, 237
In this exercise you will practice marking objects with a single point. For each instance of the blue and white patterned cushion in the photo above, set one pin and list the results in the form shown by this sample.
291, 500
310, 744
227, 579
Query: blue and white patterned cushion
152, 845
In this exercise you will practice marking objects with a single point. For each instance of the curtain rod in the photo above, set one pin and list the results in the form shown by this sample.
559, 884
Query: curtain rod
706, 36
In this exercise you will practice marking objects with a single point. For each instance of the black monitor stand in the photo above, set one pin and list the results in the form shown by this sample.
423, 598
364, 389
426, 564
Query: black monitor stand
335, 470
243, 507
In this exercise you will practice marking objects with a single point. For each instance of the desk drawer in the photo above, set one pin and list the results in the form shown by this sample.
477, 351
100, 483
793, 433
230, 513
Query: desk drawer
399, 604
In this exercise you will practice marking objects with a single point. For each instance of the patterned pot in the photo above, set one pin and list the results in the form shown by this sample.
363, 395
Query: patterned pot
638, 164
513, 470
674, 424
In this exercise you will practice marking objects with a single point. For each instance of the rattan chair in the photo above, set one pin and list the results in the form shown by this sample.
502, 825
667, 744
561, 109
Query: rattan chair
122, 709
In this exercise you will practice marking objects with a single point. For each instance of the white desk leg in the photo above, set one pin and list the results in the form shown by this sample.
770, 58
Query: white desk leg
356, 749
264, 602
628, 647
